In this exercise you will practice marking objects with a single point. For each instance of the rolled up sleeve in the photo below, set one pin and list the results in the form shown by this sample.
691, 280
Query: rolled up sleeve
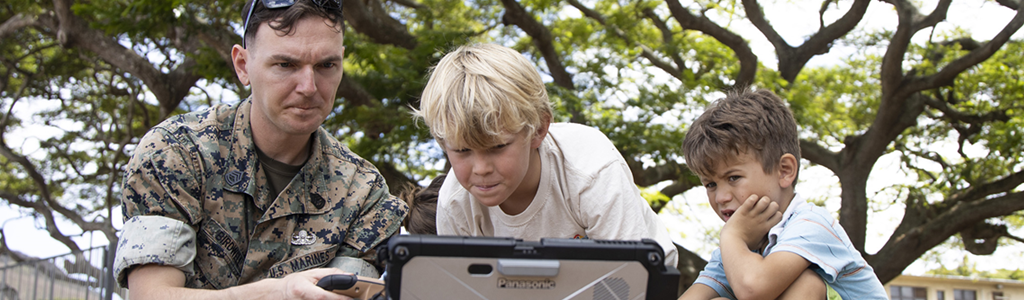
154, 240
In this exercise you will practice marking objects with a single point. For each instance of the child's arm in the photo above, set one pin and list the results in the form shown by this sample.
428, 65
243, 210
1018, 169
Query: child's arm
808, 286
699, 292
751, 275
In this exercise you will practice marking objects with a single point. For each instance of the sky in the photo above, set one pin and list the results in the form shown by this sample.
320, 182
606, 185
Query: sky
689, 214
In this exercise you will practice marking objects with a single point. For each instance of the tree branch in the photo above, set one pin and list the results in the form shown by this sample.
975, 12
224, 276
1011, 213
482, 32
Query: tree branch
15, 24
666, 38
651, 176
975, 192
937, 15
891, 72
678, 187
953, 115
370, 18
1015, 5
646, 51
976, 56
756, 16
817, 154
169, 89
44, 211
906, 245
409, 4
748, 61
354, 93
792, 60
46, 205
517, 15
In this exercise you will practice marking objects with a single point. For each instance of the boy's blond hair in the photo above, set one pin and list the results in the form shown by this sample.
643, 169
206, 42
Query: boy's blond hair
757, 121
479, 92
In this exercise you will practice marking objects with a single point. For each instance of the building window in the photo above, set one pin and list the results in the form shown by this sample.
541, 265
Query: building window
965, 294
940, 295
998, 296
908, 293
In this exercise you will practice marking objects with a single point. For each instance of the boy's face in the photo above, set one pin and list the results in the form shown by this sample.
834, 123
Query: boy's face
509, 171
734, 180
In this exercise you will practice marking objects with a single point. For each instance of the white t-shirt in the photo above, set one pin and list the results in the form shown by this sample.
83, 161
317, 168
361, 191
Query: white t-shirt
586, 191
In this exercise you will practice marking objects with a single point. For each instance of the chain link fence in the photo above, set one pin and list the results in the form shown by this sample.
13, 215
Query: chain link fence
86, 275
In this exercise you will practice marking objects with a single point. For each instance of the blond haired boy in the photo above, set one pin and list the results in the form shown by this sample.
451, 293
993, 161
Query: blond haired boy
515, 173
746, 151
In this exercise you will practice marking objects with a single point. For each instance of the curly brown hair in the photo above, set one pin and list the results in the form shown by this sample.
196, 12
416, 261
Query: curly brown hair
755, 121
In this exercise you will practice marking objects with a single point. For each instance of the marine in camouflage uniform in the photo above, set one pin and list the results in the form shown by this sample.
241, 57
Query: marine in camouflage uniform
195, 197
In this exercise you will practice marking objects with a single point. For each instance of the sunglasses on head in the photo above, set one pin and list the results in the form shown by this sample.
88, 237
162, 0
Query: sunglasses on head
274, 4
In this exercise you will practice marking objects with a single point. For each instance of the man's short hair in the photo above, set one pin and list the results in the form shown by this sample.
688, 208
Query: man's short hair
478, 92
283, 19
755, 121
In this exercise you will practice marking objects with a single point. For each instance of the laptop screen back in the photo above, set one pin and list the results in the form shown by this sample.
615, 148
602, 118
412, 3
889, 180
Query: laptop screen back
450, 267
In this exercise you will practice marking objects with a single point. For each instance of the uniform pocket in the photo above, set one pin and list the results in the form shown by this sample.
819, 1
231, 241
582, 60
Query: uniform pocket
219, 257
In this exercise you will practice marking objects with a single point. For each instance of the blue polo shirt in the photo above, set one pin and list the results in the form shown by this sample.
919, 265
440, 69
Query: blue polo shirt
810, 232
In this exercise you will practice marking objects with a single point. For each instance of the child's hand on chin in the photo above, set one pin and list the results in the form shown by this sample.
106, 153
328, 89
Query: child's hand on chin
752, 220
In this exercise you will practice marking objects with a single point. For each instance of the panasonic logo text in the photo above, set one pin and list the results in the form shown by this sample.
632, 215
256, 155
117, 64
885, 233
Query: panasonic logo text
545, 284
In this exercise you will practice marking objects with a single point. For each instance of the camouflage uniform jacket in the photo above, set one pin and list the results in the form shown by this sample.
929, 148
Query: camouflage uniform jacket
195, 197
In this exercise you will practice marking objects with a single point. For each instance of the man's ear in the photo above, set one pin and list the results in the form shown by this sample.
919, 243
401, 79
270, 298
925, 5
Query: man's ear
239, 57
787, 170
541, 133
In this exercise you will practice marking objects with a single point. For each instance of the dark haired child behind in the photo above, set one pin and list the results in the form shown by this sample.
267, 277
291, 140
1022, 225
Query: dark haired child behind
422, 218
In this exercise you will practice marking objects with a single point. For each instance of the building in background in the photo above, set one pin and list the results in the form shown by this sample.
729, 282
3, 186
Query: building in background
907, 287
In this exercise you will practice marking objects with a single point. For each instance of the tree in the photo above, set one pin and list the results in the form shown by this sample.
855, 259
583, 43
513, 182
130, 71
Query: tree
103, 72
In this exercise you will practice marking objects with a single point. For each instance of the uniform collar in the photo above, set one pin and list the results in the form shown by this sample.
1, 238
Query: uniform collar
241, 153
242, 174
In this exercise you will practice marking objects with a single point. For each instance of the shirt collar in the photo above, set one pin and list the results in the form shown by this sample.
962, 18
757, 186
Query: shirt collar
773, 233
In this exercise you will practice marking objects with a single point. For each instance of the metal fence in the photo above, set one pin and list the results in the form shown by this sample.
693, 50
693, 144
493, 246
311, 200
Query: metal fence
86, 275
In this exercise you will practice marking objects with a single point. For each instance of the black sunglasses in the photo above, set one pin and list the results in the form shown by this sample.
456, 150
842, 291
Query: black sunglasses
274, 4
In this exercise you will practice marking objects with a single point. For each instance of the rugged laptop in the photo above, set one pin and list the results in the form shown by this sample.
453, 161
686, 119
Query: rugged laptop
450, 267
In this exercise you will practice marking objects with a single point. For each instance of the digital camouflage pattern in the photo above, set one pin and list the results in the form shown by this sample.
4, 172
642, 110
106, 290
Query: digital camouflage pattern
201, 169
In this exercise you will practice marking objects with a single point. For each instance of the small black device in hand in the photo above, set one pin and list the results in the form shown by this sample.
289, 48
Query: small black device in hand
353, 286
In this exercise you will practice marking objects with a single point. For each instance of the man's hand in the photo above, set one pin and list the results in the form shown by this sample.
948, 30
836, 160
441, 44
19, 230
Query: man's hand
302, 285
165, 282
752, 220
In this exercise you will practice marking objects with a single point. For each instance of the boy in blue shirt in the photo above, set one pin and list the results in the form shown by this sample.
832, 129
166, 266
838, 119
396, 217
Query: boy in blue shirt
746, 151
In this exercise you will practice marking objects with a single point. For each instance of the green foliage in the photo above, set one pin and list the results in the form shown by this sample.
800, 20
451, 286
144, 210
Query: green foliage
134, 18
655, 199
637, 73
831, 103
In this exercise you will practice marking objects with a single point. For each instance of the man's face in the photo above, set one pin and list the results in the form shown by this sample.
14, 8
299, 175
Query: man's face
294, 77
736, 179
499, 173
